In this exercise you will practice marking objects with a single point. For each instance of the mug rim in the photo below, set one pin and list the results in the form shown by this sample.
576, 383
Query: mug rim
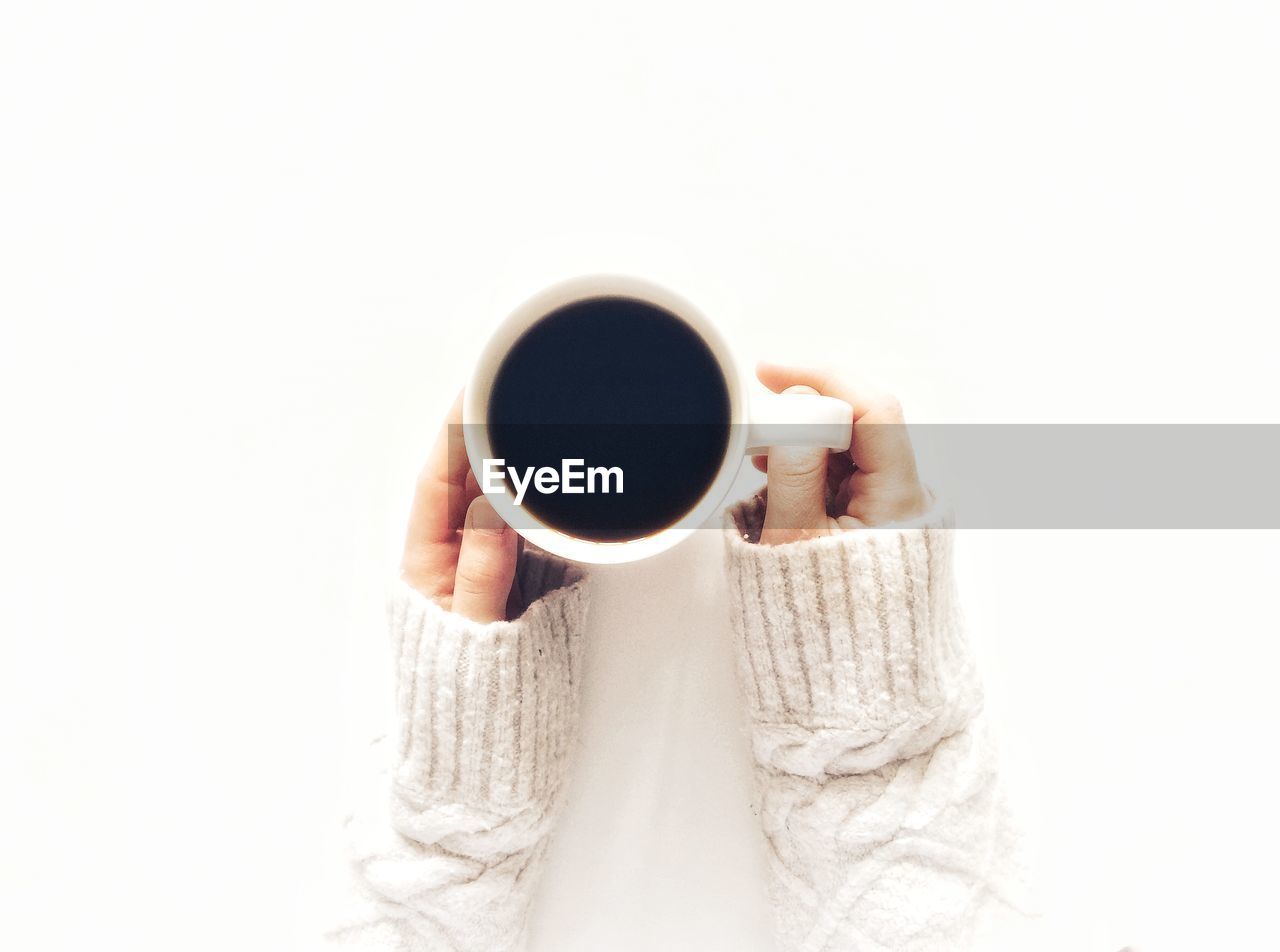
524, 316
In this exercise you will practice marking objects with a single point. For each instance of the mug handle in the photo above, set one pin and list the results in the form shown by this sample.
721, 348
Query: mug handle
798, 419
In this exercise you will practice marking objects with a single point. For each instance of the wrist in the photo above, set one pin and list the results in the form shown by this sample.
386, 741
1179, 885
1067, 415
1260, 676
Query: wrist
487, 711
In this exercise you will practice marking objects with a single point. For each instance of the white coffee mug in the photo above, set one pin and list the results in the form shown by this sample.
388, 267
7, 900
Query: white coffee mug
759, 419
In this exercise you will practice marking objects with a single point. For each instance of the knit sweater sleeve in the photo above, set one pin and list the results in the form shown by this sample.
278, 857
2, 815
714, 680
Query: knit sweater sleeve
447, 856
877, 776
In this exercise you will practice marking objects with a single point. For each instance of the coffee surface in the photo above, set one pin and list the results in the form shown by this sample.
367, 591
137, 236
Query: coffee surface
614, 382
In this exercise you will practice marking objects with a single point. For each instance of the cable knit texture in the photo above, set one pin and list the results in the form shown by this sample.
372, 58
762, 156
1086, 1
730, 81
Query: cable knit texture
487, 716
885, 825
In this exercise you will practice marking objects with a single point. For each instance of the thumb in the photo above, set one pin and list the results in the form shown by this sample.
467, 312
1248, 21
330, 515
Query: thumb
486, 564
796, 505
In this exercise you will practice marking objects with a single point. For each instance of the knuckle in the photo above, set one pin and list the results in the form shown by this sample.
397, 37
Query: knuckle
797, 467
889, 408
795, 471
826, 377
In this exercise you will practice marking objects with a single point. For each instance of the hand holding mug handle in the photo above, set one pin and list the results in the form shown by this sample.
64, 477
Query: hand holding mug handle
799, 418
818, 486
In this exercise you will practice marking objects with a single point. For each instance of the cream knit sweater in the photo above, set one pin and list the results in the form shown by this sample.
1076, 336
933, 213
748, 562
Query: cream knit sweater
876, 777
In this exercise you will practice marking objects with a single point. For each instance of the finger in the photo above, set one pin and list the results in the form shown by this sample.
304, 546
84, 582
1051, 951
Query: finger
439, 504
839, 468
881, 442
486, 564
796, 506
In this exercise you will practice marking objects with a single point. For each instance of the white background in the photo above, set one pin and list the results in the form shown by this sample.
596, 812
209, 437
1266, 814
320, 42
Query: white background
247, 253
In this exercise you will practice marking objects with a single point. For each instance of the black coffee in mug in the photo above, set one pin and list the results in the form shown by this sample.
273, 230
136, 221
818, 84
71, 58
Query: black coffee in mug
621, 385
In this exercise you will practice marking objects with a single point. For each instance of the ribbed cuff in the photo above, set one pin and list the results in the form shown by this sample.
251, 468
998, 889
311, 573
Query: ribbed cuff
487, 712
855, 631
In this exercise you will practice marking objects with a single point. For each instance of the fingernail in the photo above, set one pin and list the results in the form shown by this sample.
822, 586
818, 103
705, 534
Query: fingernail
482, 517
